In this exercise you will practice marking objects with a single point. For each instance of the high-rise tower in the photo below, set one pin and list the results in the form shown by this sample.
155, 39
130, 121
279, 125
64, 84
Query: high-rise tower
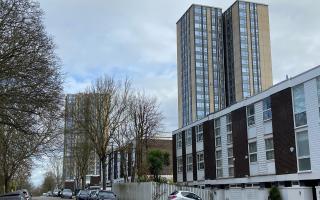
200, 63
247, 50
222, 59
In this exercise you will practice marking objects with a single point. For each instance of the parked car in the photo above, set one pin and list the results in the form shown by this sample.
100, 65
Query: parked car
49, 193
27, 195
183, 195
66, 194
56, 193
44, 194
92, 194
82, 195
105, 195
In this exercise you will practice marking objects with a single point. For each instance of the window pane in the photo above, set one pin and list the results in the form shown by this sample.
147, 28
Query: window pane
251, 121
218, 154
304, 164
300, 119
218, 141
252, 147
298, 96
269, 143
230, 161
253, 158
303, 144
270, 155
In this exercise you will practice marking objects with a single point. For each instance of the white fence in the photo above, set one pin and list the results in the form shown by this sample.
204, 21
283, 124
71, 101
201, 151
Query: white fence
154, 191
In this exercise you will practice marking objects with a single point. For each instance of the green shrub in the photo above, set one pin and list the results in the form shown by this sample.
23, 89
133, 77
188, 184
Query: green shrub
274, 194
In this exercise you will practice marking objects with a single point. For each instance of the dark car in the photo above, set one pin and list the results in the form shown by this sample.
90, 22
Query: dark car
66, 194
106, 195
92, 194
83, 195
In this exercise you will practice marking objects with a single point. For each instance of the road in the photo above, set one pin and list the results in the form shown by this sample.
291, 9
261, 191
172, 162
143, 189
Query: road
48, 198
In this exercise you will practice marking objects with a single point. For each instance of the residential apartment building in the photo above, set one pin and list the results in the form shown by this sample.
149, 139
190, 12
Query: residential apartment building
271, 138
70, 137
221, 58
121, 161
247, 50
201, 84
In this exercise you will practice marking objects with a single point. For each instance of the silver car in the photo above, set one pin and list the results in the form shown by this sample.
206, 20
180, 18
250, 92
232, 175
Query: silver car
183, 195
66, 193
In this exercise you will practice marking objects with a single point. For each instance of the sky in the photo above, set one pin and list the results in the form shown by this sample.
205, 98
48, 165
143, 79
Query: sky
137, 39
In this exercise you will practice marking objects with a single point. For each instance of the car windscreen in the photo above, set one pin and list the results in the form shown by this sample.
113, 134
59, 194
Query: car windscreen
106, 194
83, 192
174, 193
66, 190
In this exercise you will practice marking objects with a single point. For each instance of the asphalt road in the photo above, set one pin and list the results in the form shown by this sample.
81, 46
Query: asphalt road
48, 198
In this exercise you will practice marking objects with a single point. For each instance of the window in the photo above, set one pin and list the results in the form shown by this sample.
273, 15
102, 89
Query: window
179, 164
253, 152
267, 114
188, 137
199, 133
189, 162
299, 106
250, 115
179, 140
217, 132
219, 163
303, 151
269, 148
229, 129
200, 161
230, 162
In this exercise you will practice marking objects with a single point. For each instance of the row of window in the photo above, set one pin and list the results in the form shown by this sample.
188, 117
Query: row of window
253, 153
189, 162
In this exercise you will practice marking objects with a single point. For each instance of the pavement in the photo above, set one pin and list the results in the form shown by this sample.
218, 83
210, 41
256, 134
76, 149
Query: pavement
48, 198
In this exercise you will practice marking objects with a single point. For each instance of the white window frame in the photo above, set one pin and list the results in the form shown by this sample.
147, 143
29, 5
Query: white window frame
179, 165
199, 133
188, 137
266, 110
200, 161
219, 169
229, 124
189, 161
254, 152
230, 165
294, 107
217, 125
179, 140
250, 115
297, 151
270, 149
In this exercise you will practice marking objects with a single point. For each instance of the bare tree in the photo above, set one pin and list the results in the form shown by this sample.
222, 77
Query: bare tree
55, 166
105, 105
30, 87
145, 119
82, 151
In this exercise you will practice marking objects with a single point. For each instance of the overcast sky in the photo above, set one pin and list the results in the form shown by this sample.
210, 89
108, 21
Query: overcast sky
138, 39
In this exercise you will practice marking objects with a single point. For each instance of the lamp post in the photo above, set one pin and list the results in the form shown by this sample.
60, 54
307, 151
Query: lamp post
112, 170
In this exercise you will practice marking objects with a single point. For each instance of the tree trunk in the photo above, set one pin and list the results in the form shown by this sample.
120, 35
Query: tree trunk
83, 181
104, 167
6, 184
